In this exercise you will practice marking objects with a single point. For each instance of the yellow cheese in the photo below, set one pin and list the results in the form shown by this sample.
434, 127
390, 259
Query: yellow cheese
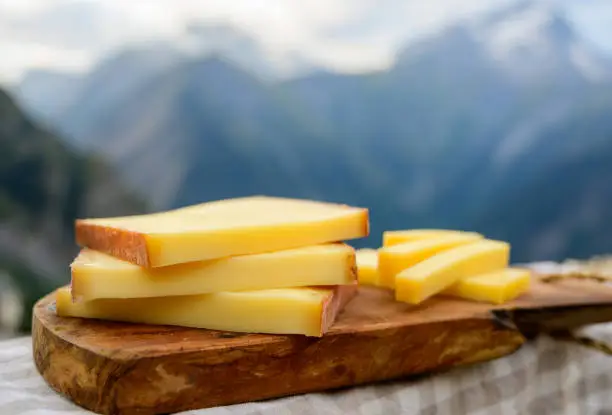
401, 236
396, 258
496, 287
97, 275
367, 266
241, 226
308, 311
440, 271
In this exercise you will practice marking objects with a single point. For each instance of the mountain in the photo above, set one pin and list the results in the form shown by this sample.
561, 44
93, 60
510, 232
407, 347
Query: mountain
110, 83
435, 117
531, 41
555, 194
201, 40
72, 103
43, 188
208, 122
45, 94
497, 124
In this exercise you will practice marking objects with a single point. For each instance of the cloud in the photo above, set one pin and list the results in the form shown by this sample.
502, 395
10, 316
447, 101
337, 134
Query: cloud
66, 35
342, 34
73, 34
35, 55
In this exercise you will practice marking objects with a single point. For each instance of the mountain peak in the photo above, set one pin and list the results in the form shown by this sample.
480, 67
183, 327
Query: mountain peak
520, 9
533, 40
231, 43
457, 42
525, 25
205, 38
523, 31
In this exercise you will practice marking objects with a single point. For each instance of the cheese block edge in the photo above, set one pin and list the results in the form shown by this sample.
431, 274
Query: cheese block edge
335, 303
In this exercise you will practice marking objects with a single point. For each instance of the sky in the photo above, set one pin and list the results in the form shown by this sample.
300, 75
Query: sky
345, 35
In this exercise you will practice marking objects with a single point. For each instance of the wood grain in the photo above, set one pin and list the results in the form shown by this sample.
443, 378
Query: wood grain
119, 368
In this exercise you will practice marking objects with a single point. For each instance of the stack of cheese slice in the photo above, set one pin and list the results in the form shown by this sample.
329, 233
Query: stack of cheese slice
422, 263
254, 264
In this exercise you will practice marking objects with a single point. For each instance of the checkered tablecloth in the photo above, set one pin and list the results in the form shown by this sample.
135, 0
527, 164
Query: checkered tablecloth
545, 376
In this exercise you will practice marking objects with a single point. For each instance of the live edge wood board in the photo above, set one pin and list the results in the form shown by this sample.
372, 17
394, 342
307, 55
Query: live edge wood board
116, 368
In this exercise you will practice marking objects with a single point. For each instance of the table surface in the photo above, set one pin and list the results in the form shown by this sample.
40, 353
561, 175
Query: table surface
545, 376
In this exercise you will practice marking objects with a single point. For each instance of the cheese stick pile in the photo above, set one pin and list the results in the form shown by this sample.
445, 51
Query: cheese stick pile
420, 263
255, 264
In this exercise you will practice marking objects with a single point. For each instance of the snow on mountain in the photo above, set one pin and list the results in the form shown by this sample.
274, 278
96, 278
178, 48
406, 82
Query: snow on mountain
594, 68
522, 31
532, 40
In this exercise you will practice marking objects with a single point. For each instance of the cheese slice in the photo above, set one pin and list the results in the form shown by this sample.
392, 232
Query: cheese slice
395, 258
98, 275
308, 311
367, 266
401, 236
230, 227
496, 287
440, 271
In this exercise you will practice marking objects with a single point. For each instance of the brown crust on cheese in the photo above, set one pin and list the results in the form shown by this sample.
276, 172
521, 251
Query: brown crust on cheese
75, 286
351, 267
366, 222
335, 303
120, 243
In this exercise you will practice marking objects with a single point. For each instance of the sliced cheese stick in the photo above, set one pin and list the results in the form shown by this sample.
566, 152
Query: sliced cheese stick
440, 271
497, 287
394, 259
391, 238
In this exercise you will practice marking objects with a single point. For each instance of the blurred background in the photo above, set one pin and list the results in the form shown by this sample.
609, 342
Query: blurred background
494, 116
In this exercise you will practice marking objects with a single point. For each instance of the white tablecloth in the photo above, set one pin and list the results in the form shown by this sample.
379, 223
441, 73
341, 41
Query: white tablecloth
544, 377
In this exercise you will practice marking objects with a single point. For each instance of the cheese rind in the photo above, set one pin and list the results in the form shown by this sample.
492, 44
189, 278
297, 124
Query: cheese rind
98, 275
395, 258
440, 271
391, 238
308, 311
496, 287
367, 266
231, 227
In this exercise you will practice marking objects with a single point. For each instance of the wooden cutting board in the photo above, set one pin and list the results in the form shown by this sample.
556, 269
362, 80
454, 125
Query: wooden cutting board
117, 368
